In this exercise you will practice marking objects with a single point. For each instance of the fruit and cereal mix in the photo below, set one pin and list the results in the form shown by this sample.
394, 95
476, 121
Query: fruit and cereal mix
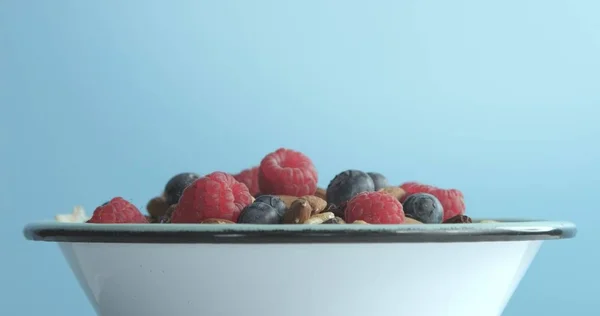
283, 190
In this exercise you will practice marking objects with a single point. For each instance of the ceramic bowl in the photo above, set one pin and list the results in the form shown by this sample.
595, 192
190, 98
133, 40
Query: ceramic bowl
300, 270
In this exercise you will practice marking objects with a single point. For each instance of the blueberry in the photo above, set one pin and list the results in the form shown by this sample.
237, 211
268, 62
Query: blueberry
177, 184
259, 213
379, 180
348, 184
424, 207
273, 201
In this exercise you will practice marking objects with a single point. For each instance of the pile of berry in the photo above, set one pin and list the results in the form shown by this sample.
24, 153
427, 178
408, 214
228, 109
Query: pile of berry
283, 190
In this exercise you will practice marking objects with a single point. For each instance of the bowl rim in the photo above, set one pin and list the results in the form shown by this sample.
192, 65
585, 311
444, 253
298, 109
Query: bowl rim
501, 230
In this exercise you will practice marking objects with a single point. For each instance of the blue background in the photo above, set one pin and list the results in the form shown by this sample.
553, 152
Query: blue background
107, 98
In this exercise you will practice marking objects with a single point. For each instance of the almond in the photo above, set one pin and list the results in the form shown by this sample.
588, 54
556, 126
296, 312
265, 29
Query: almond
320, 218
409, 220
287, 199
396, 192
322, 193
298, 212
459, 219
157, 207
216, 221
316, 203
167, 217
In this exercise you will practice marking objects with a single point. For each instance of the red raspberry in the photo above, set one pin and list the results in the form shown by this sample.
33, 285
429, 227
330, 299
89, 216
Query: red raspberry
118, 211
452, 200
415, 187
249, 177
217, 195
287, 172
374, 208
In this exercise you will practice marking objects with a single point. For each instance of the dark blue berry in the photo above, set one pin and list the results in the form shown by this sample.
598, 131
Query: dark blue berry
274, 201
177, 184
379, 180
423, 207
259, 213
348, 184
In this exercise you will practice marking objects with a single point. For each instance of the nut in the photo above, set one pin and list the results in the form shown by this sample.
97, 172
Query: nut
361, 222
337, 210
322, 193
459, 219
320, 218
152, 220
316, 203
216, 221
409, 220
396, 192
77, 216
298, 212
335, 220
287, 199
157, 206
165, 219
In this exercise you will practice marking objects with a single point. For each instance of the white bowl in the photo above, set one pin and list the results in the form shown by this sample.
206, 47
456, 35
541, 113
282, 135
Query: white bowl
300, 270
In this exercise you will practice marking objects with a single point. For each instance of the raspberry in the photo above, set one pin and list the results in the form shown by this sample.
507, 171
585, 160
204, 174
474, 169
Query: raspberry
249, 177
217, 195
374, 208
287, 172
118, 211
414, 187
452, 201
